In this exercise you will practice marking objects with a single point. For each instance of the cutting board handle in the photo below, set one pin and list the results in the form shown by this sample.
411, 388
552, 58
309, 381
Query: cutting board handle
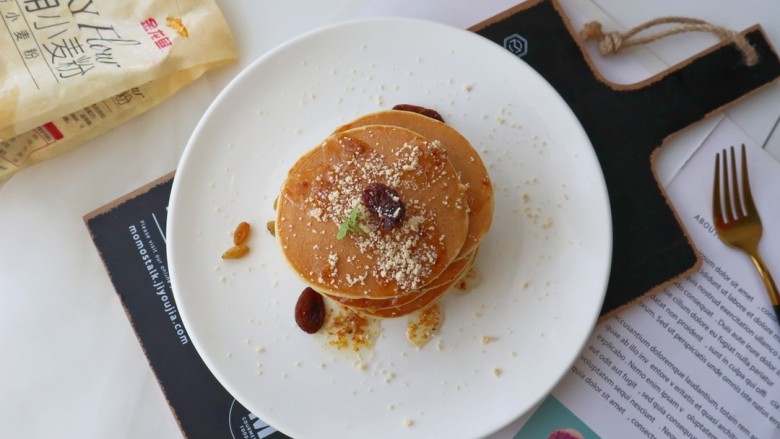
626, 124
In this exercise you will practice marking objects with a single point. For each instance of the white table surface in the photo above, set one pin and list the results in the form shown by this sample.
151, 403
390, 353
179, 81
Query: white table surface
71, 365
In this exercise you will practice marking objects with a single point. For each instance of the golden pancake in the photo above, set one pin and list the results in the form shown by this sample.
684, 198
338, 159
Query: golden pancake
479, 191
324, 188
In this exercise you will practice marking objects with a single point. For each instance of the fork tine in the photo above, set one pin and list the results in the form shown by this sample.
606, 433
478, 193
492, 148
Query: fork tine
737, 194
750, 207
717, 210
728, 211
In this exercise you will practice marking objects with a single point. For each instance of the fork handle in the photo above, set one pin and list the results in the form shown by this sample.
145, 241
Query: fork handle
769, 283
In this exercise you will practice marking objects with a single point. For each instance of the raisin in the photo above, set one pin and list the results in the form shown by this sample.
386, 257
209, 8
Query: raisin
385, 203
242, 233
236, 252
310, 311
433, 114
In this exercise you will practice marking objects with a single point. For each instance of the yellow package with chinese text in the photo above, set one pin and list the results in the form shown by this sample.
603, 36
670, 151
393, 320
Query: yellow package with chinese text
72, 69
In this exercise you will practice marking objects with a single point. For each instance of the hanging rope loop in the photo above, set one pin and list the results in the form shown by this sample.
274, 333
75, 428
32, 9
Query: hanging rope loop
611, 43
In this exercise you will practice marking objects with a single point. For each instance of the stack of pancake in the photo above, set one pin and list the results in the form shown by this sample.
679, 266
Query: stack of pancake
436, 174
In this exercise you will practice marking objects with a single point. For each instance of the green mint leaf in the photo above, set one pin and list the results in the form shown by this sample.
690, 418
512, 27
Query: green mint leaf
350, 224
342, 230
356, 228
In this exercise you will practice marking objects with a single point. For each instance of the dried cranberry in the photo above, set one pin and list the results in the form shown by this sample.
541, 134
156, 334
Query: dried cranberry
310, 311
433, 114
386, 204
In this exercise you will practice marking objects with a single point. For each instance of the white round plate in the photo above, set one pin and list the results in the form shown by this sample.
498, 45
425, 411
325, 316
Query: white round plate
543, 265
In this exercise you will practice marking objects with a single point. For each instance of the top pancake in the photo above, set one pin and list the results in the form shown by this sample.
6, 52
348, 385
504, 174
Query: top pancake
479, 190
325, 185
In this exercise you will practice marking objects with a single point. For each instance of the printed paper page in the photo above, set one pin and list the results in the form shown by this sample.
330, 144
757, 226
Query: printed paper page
701, 358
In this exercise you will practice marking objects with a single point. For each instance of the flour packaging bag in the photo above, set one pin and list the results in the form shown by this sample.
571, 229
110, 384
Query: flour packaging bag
72, 69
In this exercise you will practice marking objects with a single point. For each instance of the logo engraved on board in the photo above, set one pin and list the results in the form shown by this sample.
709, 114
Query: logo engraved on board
516, 44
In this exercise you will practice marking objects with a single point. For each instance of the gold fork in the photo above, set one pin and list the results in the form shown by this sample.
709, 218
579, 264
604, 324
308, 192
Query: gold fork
736, 220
